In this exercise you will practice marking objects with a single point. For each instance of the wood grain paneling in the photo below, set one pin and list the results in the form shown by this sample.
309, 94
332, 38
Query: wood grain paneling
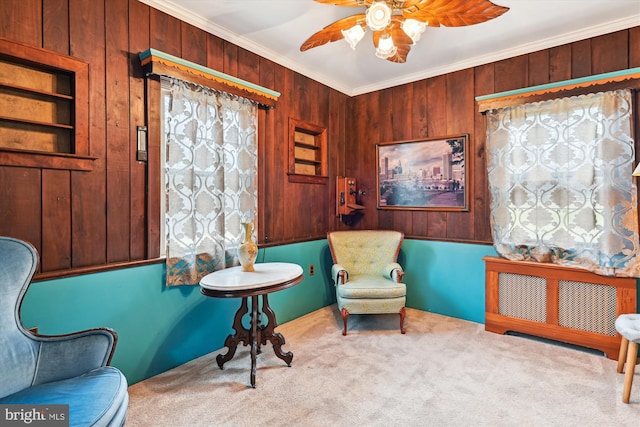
560, 63
336, 139
449, 108
580, 59
267, 132
278, 229
215, 53
360, 164
610, 52
419, 129
154, 200
460, 117
55, 15
194, 44
88, 189
138, 42
165, 33
21, 213
56, 250
21, 21
56, 212
112, 213
230, 57
512, 73
437, 112
117, 110
634, 49
538, 68
400, 116
479, 199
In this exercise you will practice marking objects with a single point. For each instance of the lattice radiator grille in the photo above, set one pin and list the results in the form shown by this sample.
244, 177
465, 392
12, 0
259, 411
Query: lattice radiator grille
521, 296
561, 303
587, 307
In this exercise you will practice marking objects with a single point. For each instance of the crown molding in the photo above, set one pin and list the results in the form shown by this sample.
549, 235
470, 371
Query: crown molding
547, 43
183, 14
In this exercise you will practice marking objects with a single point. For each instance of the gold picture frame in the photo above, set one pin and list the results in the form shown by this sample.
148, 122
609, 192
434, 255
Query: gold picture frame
423, 174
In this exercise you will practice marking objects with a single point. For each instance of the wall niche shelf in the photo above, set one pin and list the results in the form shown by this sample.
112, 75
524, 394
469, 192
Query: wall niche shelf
307, 152
44, 109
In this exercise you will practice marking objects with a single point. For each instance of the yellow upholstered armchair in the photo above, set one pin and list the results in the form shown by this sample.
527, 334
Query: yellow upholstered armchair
366, 274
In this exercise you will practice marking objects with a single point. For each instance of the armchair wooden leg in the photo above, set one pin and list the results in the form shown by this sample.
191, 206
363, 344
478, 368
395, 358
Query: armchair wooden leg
345, 314
403, 314
632, 355
624, 344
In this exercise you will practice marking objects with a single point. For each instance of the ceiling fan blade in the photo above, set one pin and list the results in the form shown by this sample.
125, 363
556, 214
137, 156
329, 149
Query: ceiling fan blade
401, 55
400, 39
452, 13
353, 3
332, 32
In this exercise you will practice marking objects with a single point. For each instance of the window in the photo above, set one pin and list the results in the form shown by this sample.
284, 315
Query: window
560, 181
210, 177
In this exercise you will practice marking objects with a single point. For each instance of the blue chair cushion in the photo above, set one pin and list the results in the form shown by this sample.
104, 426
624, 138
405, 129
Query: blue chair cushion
628, 325
94, 398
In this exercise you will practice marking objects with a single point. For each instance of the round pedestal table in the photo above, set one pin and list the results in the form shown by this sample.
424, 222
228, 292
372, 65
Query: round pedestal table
235, 283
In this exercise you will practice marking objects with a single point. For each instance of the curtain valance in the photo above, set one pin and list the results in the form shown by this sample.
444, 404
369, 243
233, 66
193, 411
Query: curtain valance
623, 79
164, 64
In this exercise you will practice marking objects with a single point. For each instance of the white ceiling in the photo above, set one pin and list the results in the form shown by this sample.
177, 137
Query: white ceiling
275, 29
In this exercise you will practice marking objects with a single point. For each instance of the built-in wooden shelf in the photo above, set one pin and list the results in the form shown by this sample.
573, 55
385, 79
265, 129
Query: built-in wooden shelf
44, 109
36, 91
307, 152
37, 123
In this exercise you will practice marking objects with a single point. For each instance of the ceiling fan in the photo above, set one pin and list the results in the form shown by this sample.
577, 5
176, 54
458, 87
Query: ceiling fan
397, 24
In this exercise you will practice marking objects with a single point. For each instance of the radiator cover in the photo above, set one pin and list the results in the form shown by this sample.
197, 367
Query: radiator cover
560, 303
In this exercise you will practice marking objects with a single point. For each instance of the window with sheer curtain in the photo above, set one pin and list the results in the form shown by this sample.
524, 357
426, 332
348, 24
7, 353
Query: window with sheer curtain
210, 178
560, 180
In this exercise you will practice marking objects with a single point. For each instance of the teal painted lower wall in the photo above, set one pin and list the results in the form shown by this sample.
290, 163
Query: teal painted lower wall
160, 328
445, 278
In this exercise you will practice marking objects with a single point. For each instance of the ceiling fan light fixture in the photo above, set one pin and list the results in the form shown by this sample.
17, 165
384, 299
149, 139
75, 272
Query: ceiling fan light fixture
397, 25
386, 48
378, 15
413, 28
353, 35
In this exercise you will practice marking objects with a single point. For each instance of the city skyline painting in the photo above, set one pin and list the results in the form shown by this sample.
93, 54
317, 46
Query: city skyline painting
425, 174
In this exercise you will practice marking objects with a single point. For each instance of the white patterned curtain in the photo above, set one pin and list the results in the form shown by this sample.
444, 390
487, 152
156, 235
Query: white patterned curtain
210, 178
560, 182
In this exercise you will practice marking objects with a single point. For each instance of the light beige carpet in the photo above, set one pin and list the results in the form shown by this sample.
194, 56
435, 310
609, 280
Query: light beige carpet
443, 372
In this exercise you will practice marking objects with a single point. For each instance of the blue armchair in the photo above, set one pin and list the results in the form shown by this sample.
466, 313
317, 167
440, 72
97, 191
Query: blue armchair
367, 277
67, 369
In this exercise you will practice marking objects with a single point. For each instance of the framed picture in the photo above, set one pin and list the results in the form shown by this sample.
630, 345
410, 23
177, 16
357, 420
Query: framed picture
423, 174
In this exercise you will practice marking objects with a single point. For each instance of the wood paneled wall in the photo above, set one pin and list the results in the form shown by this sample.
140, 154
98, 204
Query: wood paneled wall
445, 105
110, 215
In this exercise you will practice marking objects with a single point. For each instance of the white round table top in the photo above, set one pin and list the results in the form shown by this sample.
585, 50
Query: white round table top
265, 275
